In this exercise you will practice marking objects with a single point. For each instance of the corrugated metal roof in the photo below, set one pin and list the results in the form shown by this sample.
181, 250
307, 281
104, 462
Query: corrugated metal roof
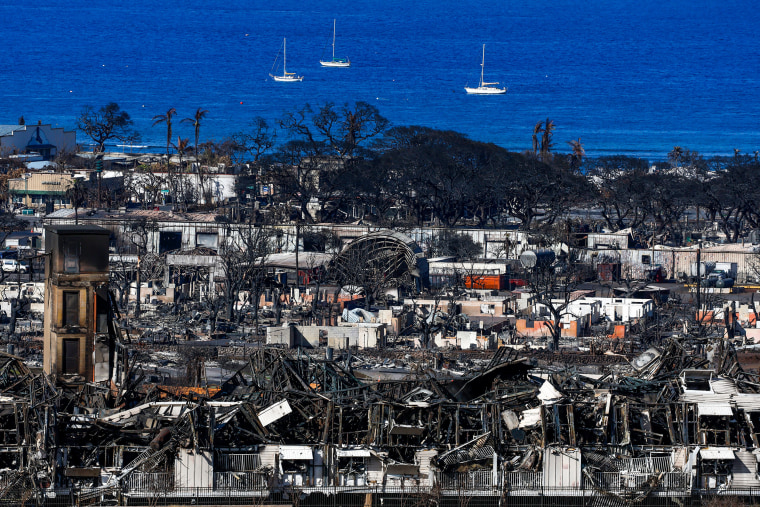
717, 453
723, 386
158, 215
744, 470
6, 130
749, 402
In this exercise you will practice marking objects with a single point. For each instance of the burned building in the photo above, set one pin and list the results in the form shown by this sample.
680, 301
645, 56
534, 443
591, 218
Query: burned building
77, 309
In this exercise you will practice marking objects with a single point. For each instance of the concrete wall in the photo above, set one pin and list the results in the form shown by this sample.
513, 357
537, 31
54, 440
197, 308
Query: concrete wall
340, 337
280, 336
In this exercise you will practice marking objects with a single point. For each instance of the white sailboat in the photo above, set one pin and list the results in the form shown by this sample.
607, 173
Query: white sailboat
286, 77
335, 62
483, 87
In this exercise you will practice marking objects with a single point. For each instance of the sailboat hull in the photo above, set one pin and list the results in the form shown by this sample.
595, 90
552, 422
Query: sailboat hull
335, 63
287, 79
485, 90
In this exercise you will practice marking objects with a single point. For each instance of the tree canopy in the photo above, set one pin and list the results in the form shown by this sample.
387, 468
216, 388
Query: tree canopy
104, 124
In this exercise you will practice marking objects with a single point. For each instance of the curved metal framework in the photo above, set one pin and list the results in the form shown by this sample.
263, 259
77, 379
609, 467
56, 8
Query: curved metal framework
393, 256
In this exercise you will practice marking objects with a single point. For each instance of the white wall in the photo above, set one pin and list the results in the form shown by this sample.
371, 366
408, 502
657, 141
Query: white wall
19, 139
193, 469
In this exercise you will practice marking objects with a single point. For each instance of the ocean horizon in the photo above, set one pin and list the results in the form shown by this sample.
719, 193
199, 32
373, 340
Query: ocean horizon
630, 78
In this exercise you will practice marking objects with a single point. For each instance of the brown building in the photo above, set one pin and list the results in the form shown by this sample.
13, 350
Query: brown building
77, 310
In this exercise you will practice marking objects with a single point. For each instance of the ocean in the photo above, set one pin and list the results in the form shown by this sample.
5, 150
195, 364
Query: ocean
625, 77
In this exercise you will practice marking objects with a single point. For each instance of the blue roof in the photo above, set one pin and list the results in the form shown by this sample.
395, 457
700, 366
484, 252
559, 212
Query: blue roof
6, 130
23, 234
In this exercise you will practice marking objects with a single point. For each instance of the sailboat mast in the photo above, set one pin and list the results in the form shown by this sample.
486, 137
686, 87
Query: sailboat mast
285, 58
482, 65
333, 39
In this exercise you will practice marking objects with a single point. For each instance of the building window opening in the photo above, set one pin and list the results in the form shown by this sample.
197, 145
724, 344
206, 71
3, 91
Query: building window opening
71, 308
70, 356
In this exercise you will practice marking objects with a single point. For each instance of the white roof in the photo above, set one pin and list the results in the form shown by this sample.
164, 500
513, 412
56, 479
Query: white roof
717, 453
353, 453
295, 452
714, 409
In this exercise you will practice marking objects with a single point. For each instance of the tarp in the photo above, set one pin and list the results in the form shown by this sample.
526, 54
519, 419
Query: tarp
712, 453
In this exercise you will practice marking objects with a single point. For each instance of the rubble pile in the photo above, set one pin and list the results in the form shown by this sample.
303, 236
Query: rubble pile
668, 423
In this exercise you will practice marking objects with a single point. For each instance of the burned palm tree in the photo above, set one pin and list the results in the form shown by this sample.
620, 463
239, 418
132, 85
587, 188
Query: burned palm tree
577, 153
182, 146
537, 130
546, 139
166, 118
675, 155
179, 184
196, 121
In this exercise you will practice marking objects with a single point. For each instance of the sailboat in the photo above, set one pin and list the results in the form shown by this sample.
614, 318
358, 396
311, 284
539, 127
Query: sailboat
335, 62
286, 77
483, 87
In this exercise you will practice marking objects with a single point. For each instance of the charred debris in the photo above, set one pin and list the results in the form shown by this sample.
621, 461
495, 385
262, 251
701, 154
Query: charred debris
668, 422
338, 410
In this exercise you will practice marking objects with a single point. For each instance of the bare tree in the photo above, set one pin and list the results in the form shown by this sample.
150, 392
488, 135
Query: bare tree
243, 260
141, 233
108, 122
552, 282
77, 195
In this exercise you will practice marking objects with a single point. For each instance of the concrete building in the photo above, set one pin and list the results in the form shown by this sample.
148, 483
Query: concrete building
46, 140
76, 335
37, 189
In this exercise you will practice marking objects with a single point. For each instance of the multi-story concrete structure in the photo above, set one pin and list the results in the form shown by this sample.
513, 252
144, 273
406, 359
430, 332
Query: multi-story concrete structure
76, 336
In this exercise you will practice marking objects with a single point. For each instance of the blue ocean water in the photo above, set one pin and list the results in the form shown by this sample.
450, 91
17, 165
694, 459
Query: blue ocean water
634, 77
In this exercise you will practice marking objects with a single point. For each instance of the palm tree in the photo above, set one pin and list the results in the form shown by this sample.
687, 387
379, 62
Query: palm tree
182, 147
675, 155
166, 118
77, 196
536, 131
196, 121
576, 157
546, 139
180, 182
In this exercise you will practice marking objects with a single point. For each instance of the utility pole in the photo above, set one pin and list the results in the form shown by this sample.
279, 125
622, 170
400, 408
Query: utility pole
99, 172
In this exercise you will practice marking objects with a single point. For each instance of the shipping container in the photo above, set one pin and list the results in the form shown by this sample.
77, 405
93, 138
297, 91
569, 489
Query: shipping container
487, 282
